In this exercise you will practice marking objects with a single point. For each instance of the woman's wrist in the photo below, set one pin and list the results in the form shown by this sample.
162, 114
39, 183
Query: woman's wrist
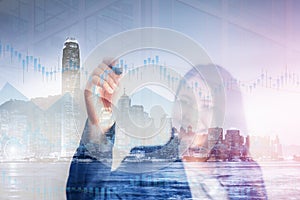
106, 119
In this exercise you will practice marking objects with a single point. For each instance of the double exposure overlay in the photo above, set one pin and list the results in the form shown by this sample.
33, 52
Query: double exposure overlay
158, 99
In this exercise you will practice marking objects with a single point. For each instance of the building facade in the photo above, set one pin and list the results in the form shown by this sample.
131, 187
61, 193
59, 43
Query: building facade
215, 136
234, 143
70, 66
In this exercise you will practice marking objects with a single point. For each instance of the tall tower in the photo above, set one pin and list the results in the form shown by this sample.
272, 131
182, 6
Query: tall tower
70, 66
70, 92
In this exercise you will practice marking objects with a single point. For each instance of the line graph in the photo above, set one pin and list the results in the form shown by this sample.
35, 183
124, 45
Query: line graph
287, 81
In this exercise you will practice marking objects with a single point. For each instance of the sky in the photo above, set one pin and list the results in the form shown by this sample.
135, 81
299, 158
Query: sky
250, 39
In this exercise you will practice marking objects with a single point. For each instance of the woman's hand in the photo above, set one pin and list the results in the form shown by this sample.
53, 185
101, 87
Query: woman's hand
98, 94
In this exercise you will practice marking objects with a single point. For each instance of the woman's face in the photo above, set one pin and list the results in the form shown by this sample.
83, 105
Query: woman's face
193, 105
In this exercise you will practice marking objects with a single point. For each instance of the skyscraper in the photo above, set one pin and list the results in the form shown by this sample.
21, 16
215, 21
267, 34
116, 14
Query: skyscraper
124, 105
215, 136
69, 112
215, 143
234, 142
70, 66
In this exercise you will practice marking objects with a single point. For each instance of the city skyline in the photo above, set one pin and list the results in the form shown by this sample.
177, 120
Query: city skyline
228, 31
136, 97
